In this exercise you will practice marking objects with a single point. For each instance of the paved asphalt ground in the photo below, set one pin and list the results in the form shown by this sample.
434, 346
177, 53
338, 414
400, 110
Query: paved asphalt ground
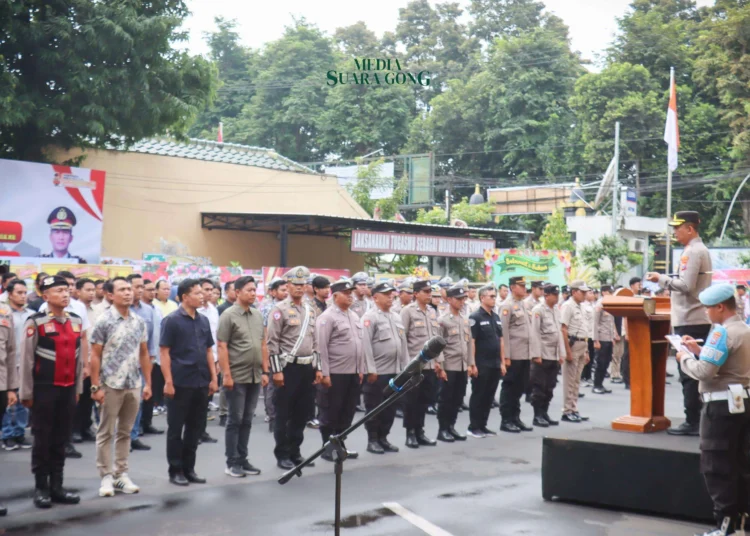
490, 486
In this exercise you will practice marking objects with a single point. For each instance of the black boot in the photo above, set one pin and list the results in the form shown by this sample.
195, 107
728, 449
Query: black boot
41, 492
445, 435
411, 439
423, 440
58, 494
522, 426
3, 510
724, 526
539, 419
549, 419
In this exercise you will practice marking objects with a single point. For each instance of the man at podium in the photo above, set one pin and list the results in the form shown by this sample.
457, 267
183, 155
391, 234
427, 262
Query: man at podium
688, 314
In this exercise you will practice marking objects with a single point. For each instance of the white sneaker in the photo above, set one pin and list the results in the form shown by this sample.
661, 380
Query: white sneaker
125, 485
107, 488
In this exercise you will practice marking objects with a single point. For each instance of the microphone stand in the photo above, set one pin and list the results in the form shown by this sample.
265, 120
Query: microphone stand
335, 446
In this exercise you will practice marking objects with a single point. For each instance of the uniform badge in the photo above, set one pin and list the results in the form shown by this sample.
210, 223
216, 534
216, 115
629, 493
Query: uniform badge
472, 322
505, 312
29, 332
5, 322
683, 262
367, 323
76, 328
50, 328
716, 350
277, 315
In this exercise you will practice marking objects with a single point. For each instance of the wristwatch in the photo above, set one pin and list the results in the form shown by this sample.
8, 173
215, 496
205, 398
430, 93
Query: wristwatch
266, 374
94, 389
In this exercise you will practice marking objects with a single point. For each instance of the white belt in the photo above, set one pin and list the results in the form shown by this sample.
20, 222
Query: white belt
307, 360
721, 395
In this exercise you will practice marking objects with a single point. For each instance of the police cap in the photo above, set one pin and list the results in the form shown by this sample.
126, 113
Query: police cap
537, 284
579, 285
456, 291
342, 285
52, 282
445, 282
359, 277
276, 282
551, 289
520, 280
419, 286
297, 275
61, 218
382, 288
685, 216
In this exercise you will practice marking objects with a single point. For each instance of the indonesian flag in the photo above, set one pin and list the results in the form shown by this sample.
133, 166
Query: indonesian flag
220, 138
672, 130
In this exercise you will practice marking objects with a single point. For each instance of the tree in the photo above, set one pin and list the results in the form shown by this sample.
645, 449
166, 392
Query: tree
555, 235
610, 257
504, 18
95, 74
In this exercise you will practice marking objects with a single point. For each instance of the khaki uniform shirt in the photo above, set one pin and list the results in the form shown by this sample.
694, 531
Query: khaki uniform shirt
8, 366
420, 327
740, 305
530, 302
285, 325
360, 306
472, 306
588, 309
692, 278
384, 342
243, 332
724, 360
516, 329
546, 333
442, 308
571, 315
458, 354
340, 342
604, 324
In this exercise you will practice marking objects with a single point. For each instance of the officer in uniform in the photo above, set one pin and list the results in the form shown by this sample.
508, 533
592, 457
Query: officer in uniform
360, 305
61, 222
740, 296
443, 285
472, 300
8, 368
588, 317
547, 354
722, 369
51, 382
457, 359
688, 315
516, 320
575, 337
421, 324
535, 295
386, 355
295, 366
605, 335
405, 297
342, 357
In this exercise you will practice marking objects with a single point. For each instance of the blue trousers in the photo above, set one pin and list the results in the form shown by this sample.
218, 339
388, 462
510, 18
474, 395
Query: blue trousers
14, 421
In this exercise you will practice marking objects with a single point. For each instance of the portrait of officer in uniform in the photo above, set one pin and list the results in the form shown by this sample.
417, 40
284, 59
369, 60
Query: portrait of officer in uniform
61, 221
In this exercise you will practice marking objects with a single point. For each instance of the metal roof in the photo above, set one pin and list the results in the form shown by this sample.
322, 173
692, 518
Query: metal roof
212, 151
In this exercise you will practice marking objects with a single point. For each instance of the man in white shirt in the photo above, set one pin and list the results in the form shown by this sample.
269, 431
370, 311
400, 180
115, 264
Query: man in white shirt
210, 311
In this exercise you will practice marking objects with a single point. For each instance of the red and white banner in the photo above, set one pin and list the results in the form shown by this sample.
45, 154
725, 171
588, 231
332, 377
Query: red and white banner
672, 129
411, 244
51, 211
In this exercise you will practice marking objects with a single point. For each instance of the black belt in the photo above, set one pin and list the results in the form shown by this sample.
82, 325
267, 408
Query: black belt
578, 339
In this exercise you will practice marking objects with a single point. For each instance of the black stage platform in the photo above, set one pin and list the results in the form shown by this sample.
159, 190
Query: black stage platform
653, 473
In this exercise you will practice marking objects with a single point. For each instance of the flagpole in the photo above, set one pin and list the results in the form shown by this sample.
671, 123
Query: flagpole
668, 265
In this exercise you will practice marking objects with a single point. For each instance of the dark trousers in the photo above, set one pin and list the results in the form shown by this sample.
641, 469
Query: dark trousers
543, 382
514, 386
186, 419
293, 405
418, 399
591, 365
690, 396
51, 424
483, 389
82, 418
380, 426
3, 403
241, 402
157, 397
603, 357
625, 365
339, 404
725, 444
451, 397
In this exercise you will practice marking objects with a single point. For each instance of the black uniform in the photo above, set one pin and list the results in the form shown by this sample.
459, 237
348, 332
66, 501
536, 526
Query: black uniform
487, 333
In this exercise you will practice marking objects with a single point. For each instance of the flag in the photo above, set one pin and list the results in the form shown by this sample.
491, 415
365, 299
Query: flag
221, 133
672, 130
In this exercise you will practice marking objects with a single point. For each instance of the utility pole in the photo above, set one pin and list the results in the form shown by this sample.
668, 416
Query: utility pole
615, 180
448, 215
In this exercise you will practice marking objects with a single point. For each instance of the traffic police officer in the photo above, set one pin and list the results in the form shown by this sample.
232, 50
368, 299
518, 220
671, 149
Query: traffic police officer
8, 368
61, 222
723, 372
51, 382
605, 334
386, 355
688, 315
575, 337
547, 353
360, 305
342, 358
295, 365
457, 360
516, 336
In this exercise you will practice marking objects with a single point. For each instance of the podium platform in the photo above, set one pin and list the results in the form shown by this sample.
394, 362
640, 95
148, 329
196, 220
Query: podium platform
649, 473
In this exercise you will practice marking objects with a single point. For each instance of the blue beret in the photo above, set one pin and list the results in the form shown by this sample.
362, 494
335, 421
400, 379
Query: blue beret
716, 294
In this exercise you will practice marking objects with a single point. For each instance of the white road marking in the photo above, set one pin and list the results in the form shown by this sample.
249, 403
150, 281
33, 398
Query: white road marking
597, 523
528, 512
419, 522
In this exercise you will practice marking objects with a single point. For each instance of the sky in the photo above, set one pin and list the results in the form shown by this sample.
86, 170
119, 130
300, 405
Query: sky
592, 22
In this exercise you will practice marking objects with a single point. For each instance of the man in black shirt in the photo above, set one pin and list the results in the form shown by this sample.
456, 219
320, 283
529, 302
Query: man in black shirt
231, 297
487, 334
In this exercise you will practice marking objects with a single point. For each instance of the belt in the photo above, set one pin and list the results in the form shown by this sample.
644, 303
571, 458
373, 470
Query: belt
578, 339
306, 360
722, 395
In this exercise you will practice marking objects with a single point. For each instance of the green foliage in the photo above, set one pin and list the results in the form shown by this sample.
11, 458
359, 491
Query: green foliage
473, 215
610, 257
555, 235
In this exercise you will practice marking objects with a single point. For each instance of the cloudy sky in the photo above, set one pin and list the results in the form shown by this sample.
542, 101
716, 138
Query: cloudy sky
592, 22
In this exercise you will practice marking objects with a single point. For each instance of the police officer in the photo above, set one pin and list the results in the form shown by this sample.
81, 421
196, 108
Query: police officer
8, 368
547, 354
405, 297
516, 320
51, 382
688, 315
421, 324
443, 285
342, 357
386, 355
457, 360
605, 335
575, 337
360, 305
723, 370
61, 222
472, 299
588, 317
535, 295
295, 366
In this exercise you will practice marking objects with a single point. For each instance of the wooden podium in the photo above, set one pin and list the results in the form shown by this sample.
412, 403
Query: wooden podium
648, 324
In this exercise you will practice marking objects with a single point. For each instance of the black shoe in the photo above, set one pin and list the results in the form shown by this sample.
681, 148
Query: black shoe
458, 437
487, 432
581, 418
298, 459
375, 447
3, 510
601, 390
616, 380
685, 429
193, 478
222, 420
10, 444
153, 431
522, 426
285, 464
508, 426
205, 438
137, 444
670, 375
581, 395
88, 436
445, 435
540, 421
42, 498
571, 417
178, 479
549, 420
71, 452
75, 437
59, 494
400, 413
411, 439
431, 410
248, 468
387, 446
425, 441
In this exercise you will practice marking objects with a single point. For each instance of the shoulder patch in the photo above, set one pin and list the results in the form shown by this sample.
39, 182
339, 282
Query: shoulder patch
716, 350
367, 323
29, 331
277, 315
472, 322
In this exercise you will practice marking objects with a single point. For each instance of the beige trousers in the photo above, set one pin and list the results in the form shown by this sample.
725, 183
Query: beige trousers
571, 373
118, 411
617, 352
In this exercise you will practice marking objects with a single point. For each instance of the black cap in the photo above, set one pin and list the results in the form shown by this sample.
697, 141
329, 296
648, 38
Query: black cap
382, 288
537, 284
740, 285
565, 288
607, 288
685, 216
342, 285
551, 289
520, 280
53, 281
456, 291
421, 285
276, 282
62, 218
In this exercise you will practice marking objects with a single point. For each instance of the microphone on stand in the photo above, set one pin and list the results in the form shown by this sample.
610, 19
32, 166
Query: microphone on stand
429, 351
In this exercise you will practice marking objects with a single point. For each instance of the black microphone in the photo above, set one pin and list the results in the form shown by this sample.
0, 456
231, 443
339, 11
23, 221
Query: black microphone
430, 351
